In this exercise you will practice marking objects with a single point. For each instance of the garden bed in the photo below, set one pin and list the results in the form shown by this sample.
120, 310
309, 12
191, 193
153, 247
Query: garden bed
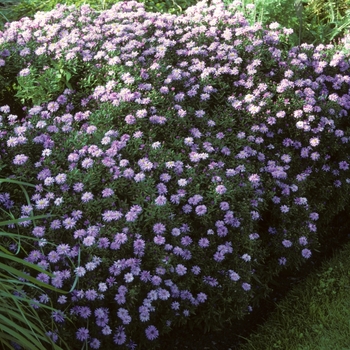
167, 171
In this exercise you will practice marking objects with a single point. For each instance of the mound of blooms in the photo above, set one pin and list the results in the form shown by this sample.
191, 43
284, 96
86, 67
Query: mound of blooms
184, 161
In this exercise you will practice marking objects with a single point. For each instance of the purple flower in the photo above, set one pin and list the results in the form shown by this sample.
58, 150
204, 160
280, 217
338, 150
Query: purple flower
287, 243
119, 338
156, 280
312, 227
175, 305
184, 228
160, 200
303, 240
165, 177
284, 209
163, 294
314, 141
306, 253
255, 215
201, 210
80, 271
78, 187
82, 334
84, 311
123, 314
196, 270
39, 231
159, 228
246, 286
187, 240
139, 246
195, 199
58, 316
182, 182
61, 179
314, 216
254, 178
203, 242
24, 72
151, 332
110, 215
210, 280
145, 164
128, 173
107, 192
224, 206
181, 269
221, 189
128, 277
88, 241
222, 231
246, 257
159, 240
87, 197
300, 201
41, 203
201, 297
68, 223
337, 183
20, 159
233, 275
95, 343
55, 224
176, 232
187, 208
53, 106
120, 299
343, 165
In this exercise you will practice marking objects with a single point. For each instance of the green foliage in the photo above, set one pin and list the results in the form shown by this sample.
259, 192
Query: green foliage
167, 6
327, 20
313, 21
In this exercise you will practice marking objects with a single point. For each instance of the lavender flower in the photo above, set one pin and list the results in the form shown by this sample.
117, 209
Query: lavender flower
151, 332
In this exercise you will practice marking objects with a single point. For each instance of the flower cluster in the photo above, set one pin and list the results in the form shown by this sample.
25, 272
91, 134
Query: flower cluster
183, 164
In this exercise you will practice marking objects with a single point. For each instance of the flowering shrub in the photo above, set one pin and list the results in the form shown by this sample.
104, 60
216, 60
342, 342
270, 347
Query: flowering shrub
184, 162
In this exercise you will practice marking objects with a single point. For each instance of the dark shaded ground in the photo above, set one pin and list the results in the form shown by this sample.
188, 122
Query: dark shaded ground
232, 338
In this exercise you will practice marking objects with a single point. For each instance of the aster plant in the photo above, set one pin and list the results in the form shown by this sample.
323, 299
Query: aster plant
187, 160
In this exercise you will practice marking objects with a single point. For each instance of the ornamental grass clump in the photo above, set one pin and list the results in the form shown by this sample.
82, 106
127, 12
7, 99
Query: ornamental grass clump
185, 162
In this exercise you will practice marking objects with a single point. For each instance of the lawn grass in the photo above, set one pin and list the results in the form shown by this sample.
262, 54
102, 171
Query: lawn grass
314, 315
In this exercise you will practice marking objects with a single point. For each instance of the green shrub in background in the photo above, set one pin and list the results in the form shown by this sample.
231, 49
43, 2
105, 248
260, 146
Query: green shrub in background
313, 21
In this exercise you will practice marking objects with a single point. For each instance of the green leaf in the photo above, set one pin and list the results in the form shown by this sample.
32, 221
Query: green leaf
15, 221
26, 340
